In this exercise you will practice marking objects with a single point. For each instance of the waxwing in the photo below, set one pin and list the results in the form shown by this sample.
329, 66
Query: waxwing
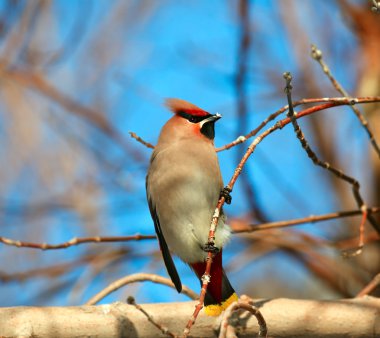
183, 187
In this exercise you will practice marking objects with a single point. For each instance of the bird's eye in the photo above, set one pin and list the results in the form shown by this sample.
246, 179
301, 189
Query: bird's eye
193, 119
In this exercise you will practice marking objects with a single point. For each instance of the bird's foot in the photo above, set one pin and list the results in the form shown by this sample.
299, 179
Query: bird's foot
210, 247
226, 193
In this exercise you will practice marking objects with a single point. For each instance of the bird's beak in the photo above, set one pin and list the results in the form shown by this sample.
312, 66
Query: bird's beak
212, 118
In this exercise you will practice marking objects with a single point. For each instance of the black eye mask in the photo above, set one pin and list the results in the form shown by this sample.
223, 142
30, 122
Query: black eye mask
192, 118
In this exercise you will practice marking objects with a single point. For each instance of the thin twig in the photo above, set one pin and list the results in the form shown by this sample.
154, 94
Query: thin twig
74, 241
139, 139
161, 327
251, 228
241, 139
372, 285
359, 249
60, 268
263, 331
317, 55
138, 277
304, 220
311, 154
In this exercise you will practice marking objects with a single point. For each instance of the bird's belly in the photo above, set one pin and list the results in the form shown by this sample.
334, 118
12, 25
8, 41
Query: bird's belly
187, 238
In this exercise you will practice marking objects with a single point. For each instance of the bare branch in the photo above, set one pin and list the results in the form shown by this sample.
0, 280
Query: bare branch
304, 220
74, 241
344, 100
138, 277
372, 285
162, 328
317, 55
243, 138
139, 139
337, 172
285, 317
244, 305
251, 228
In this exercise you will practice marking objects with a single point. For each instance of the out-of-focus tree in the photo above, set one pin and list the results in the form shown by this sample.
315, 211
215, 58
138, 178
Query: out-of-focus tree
77, 76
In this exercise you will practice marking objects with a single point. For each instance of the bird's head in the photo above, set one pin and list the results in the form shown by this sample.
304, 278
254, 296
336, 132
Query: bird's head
191, 119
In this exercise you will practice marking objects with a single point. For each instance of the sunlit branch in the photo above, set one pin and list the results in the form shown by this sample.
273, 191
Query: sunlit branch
244, 303
138, 277
162, 328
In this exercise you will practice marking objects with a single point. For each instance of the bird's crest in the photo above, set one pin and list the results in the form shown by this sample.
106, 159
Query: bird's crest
178, 105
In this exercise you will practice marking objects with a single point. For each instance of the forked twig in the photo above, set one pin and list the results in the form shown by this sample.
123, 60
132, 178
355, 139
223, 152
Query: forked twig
336, 101
337, 172
359, 249
317, 55
263, 331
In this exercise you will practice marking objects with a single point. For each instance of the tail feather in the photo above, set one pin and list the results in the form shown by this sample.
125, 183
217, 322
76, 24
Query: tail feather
220, 293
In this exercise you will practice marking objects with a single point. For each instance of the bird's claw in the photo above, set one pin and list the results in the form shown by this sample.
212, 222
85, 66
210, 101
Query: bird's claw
210, 247
226, 193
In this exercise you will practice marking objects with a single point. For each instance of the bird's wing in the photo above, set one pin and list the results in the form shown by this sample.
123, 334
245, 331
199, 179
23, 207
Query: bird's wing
164, 247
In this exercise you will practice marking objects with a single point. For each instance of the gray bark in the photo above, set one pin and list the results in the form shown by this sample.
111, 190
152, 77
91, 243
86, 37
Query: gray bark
358, 317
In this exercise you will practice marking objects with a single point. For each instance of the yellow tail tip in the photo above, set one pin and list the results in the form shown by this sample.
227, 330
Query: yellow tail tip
217, 309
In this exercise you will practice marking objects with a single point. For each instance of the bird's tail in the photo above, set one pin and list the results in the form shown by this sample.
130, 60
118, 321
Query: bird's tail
220, 293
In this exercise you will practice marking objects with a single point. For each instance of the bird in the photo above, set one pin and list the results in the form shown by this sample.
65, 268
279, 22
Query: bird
183, 186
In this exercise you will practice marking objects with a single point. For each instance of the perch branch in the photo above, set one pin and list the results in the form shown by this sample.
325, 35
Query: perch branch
357, 317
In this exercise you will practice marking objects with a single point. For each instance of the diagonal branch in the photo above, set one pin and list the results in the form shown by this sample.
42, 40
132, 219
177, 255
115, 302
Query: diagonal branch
37, 83
337, 172
317, 55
